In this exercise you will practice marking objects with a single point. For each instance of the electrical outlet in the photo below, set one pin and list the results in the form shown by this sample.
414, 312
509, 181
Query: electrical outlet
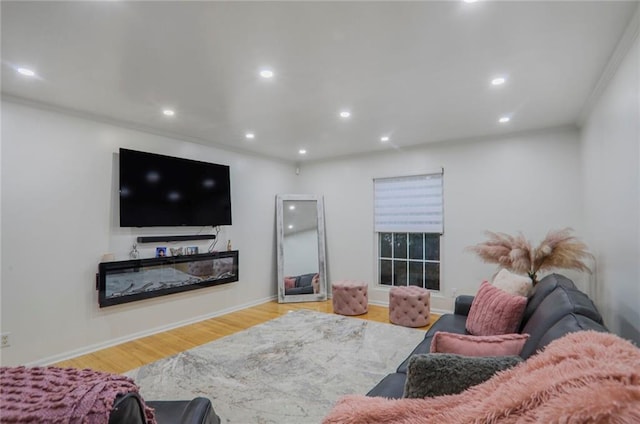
454, 292
4, 340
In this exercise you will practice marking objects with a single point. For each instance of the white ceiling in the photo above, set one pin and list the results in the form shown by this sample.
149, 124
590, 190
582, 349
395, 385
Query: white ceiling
417, 71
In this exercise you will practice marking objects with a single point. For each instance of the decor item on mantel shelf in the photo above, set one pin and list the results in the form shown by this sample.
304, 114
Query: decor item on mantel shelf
559, 250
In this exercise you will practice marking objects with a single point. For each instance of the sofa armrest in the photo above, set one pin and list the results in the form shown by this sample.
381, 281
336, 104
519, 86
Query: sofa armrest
200, 411
195, 411
463, 304
127, 408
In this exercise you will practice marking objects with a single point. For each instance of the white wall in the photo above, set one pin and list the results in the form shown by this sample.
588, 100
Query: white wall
528, 182
58, 204
58, 200
611, 165
300, 253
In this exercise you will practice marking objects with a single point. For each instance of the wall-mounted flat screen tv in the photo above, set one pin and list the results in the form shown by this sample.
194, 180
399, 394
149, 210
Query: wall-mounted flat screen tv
164, 191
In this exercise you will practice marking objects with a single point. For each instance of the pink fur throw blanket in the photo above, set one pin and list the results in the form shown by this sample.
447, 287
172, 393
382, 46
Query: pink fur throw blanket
60, 395
583, 377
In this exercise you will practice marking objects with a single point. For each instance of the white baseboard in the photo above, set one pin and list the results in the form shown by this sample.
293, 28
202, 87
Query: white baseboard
440, 311
113, 342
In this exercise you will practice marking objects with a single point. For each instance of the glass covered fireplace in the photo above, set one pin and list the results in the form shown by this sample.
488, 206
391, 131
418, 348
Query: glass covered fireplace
129, 281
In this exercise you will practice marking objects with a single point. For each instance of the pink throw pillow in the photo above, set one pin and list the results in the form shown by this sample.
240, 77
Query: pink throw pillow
468, 345
494, 311
289, 283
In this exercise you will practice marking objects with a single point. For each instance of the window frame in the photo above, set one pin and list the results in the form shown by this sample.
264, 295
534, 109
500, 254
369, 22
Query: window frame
408, 260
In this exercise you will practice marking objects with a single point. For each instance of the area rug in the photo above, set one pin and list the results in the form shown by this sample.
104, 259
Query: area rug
288, 370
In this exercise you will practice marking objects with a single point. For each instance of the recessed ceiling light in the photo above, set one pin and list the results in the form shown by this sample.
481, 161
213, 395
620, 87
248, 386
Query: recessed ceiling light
290, 227
250, 136
504, 119
266, 73
302, 151
345, 114
498, 81
292, 207
169, 112
26, 72
384, 139
470, 1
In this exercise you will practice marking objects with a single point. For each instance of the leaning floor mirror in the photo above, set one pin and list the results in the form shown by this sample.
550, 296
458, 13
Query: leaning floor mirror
302, 275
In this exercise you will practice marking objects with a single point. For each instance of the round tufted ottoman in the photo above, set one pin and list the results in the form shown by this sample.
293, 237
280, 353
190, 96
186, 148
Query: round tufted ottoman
409, 306
349, 297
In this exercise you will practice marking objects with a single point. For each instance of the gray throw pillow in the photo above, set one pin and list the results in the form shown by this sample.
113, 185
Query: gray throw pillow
437, 374
305, 280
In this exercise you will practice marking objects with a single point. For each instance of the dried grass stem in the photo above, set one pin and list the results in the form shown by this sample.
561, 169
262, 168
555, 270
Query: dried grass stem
559, 250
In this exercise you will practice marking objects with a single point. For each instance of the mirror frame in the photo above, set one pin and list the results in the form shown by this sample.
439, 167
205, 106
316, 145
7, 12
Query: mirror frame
322, 268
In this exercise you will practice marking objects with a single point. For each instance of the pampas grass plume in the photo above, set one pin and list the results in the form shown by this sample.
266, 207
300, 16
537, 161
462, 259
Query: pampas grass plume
559, 250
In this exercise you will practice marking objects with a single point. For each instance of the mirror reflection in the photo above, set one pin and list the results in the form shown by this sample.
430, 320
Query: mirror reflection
300, 247
301, 254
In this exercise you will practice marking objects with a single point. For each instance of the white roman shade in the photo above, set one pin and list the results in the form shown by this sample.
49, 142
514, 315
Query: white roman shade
409, 204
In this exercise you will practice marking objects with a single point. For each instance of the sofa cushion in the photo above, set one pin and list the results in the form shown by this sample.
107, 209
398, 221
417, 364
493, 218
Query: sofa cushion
542, 290
560, 302
449, 322
446, 374
468, 345
495, 311
567, 324
513, 283
304, 280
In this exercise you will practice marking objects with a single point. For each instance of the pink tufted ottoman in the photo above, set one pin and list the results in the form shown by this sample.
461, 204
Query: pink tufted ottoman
349, 297
409, 306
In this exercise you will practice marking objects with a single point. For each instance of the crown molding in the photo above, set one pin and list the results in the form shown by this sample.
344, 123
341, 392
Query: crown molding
137, 127
622, 49
449, 142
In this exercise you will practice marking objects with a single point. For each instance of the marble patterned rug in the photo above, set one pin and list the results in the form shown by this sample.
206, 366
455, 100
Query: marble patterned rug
288, 370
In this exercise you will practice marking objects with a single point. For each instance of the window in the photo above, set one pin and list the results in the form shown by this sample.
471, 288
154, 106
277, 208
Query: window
409, 259
409, 223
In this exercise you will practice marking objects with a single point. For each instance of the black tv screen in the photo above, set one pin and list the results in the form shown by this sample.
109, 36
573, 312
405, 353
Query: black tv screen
164, 191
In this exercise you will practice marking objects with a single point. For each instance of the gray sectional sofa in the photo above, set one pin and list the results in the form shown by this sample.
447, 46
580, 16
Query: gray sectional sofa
555, 308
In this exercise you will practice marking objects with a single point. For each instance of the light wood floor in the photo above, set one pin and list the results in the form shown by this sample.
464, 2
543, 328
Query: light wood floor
133, 354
